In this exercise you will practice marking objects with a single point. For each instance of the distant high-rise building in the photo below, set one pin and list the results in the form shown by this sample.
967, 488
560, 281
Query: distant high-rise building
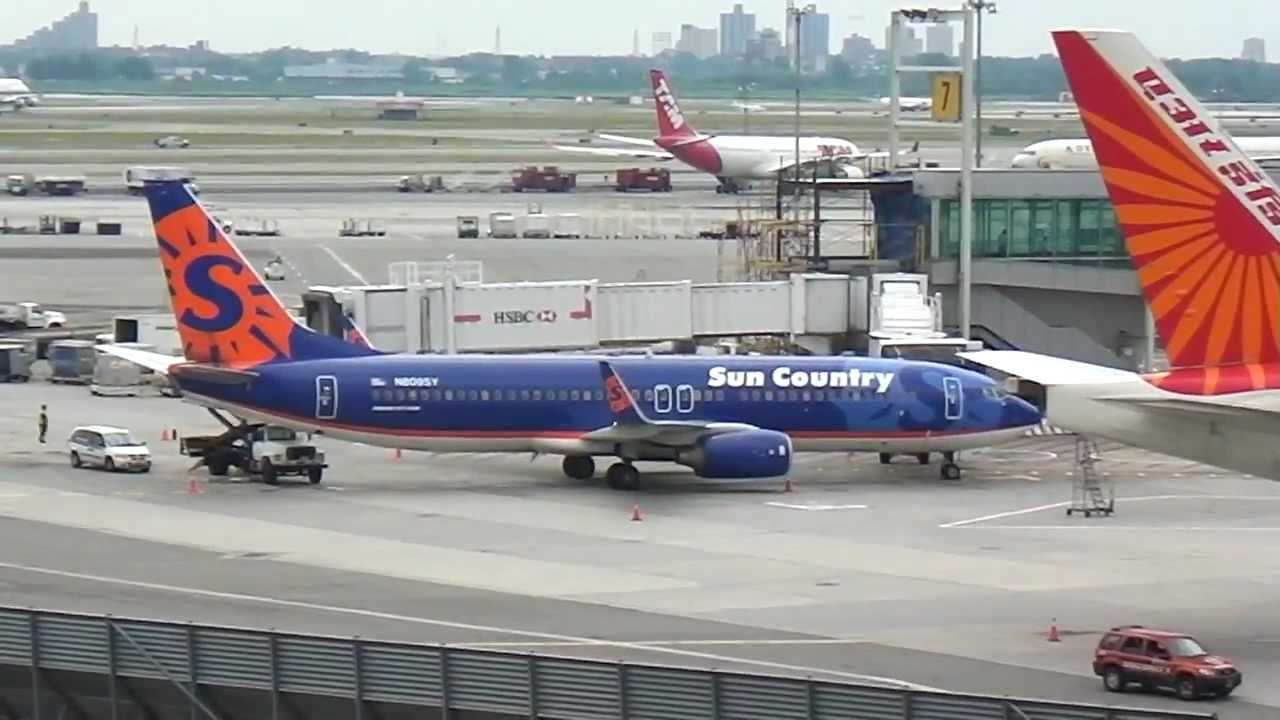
815, 36
1255, 49
940, 38
699, 42
77, 31
635, 43
660, 42
736, 29
497, 40
908, 43
858, 50
766, 44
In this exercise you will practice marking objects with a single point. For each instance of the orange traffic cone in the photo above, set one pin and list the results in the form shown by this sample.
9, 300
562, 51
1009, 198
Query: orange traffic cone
1054, 635
786, 488
635, 514
193, 487
164, 434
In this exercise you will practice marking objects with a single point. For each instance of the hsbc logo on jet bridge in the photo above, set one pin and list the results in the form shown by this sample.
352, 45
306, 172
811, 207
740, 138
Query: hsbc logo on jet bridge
522, 317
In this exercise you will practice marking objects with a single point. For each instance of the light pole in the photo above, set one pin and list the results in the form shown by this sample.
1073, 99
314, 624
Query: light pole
796, 14
979, 7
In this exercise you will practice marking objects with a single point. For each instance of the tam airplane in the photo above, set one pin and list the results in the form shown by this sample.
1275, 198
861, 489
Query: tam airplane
725, 417
731, 158
1077, 154
1202, 225
16, 93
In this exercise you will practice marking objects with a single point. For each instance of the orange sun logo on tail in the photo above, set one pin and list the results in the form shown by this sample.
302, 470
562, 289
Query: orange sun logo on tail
1201, 220
225, 315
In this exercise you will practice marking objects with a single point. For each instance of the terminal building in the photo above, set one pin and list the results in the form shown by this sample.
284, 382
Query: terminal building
1050, 271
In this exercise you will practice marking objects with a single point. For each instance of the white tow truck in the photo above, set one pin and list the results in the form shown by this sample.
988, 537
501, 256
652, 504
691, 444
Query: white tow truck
267, 451
29, 315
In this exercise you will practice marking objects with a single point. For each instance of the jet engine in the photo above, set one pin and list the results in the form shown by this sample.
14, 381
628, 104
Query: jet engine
740, 454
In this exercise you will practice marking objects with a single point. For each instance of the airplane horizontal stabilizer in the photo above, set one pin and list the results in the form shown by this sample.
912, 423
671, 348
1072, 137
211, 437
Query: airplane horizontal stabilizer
154, 362
1046, 370
616, 152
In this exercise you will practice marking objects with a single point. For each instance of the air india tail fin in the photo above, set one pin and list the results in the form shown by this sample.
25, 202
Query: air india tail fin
226, 314
671, 122
1201, 219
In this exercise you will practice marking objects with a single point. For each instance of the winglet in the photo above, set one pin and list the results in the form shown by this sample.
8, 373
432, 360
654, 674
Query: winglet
622, 403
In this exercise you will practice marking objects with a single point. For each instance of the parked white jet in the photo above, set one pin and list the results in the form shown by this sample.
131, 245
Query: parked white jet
1077, 154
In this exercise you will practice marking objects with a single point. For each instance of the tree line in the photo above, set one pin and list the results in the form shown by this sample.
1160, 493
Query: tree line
1041, 78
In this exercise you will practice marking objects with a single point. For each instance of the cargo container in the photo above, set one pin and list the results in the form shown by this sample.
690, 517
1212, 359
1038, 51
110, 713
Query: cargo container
61, 184
15, 363
117, 377
468, 226
568, 225
502, 225
537, 225
72, 361
653, 180
158, 331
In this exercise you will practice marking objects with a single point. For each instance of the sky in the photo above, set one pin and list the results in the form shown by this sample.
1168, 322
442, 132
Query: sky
1172, 28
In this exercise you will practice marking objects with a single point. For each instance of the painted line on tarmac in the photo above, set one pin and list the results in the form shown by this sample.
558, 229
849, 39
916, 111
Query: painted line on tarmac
677, 643
345, 265
799, 506
361, 612
1053, 506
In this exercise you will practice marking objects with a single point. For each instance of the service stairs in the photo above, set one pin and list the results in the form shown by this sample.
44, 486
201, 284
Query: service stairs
1091, 491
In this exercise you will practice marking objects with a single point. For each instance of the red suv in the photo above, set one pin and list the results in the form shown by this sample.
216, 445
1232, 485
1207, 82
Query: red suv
1159, 659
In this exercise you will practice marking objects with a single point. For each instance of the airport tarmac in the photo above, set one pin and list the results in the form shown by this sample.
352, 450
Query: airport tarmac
863, 571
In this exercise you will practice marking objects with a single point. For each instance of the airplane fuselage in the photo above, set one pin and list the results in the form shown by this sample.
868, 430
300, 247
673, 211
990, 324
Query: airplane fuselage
549, 403
1077, 154
753, 156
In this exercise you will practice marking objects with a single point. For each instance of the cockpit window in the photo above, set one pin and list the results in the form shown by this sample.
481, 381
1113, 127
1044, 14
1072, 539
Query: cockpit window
995, 392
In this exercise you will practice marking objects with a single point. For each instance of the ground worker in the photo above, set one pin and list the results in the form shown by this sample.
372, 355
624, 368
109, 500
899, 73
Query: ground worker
43, 422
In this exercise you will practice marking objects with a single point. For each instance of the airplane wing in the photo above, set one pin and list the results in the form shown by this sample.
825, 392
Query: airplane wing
631, 425
1045, 369
617, 152
625, 140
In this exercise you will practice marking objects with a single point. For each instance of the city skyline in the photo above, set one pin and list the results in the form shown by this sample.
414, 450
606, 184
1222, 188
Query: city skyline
1179, 29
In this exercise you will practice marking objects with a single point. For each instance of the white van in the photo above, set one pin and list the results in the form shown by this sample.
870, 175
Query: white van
110, 448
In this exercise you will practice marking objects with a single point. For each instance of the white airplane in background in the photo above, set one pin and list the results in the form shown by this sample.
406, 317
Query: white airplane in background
1202, 223
1077, 154
730, 158
910, 104
16, 93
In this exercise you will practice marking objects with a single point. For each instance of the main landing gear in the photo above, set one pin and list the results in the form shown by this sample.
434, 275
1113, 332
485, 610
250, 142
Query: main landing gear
727, 186
948, 471
620, 476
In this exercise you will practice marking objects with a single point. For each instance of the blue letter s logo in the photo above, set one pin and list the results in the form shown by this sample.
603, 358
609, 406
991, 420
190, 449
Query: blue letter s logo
198, 279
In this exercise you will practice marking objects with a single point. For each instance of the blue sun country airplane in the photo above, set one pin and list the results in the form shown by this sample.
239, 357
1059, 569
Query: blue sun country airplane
724, 417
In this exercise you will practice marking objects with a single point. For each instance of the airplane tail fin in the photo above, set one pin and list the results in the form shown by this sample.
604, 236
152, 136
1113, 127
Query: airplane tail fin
1200, 218
226, 314
671, 122
622, 404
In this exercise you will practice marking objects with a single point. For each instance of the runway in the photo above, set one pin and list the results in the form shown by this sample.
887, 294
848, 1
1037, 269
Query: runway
864, 572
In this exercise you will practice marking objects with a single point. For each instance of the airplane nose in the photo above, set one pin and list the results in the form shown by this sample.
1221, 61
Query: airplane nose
1024, 160
1020, 413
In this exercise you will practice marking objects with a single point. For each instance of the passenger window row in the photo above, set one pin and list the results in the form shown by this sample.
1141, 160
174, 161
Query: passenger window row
387, 395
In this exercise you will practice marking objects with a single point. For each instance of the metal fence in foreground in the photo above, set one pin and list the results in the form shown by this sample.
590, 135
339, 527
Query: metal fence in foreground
369, 673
